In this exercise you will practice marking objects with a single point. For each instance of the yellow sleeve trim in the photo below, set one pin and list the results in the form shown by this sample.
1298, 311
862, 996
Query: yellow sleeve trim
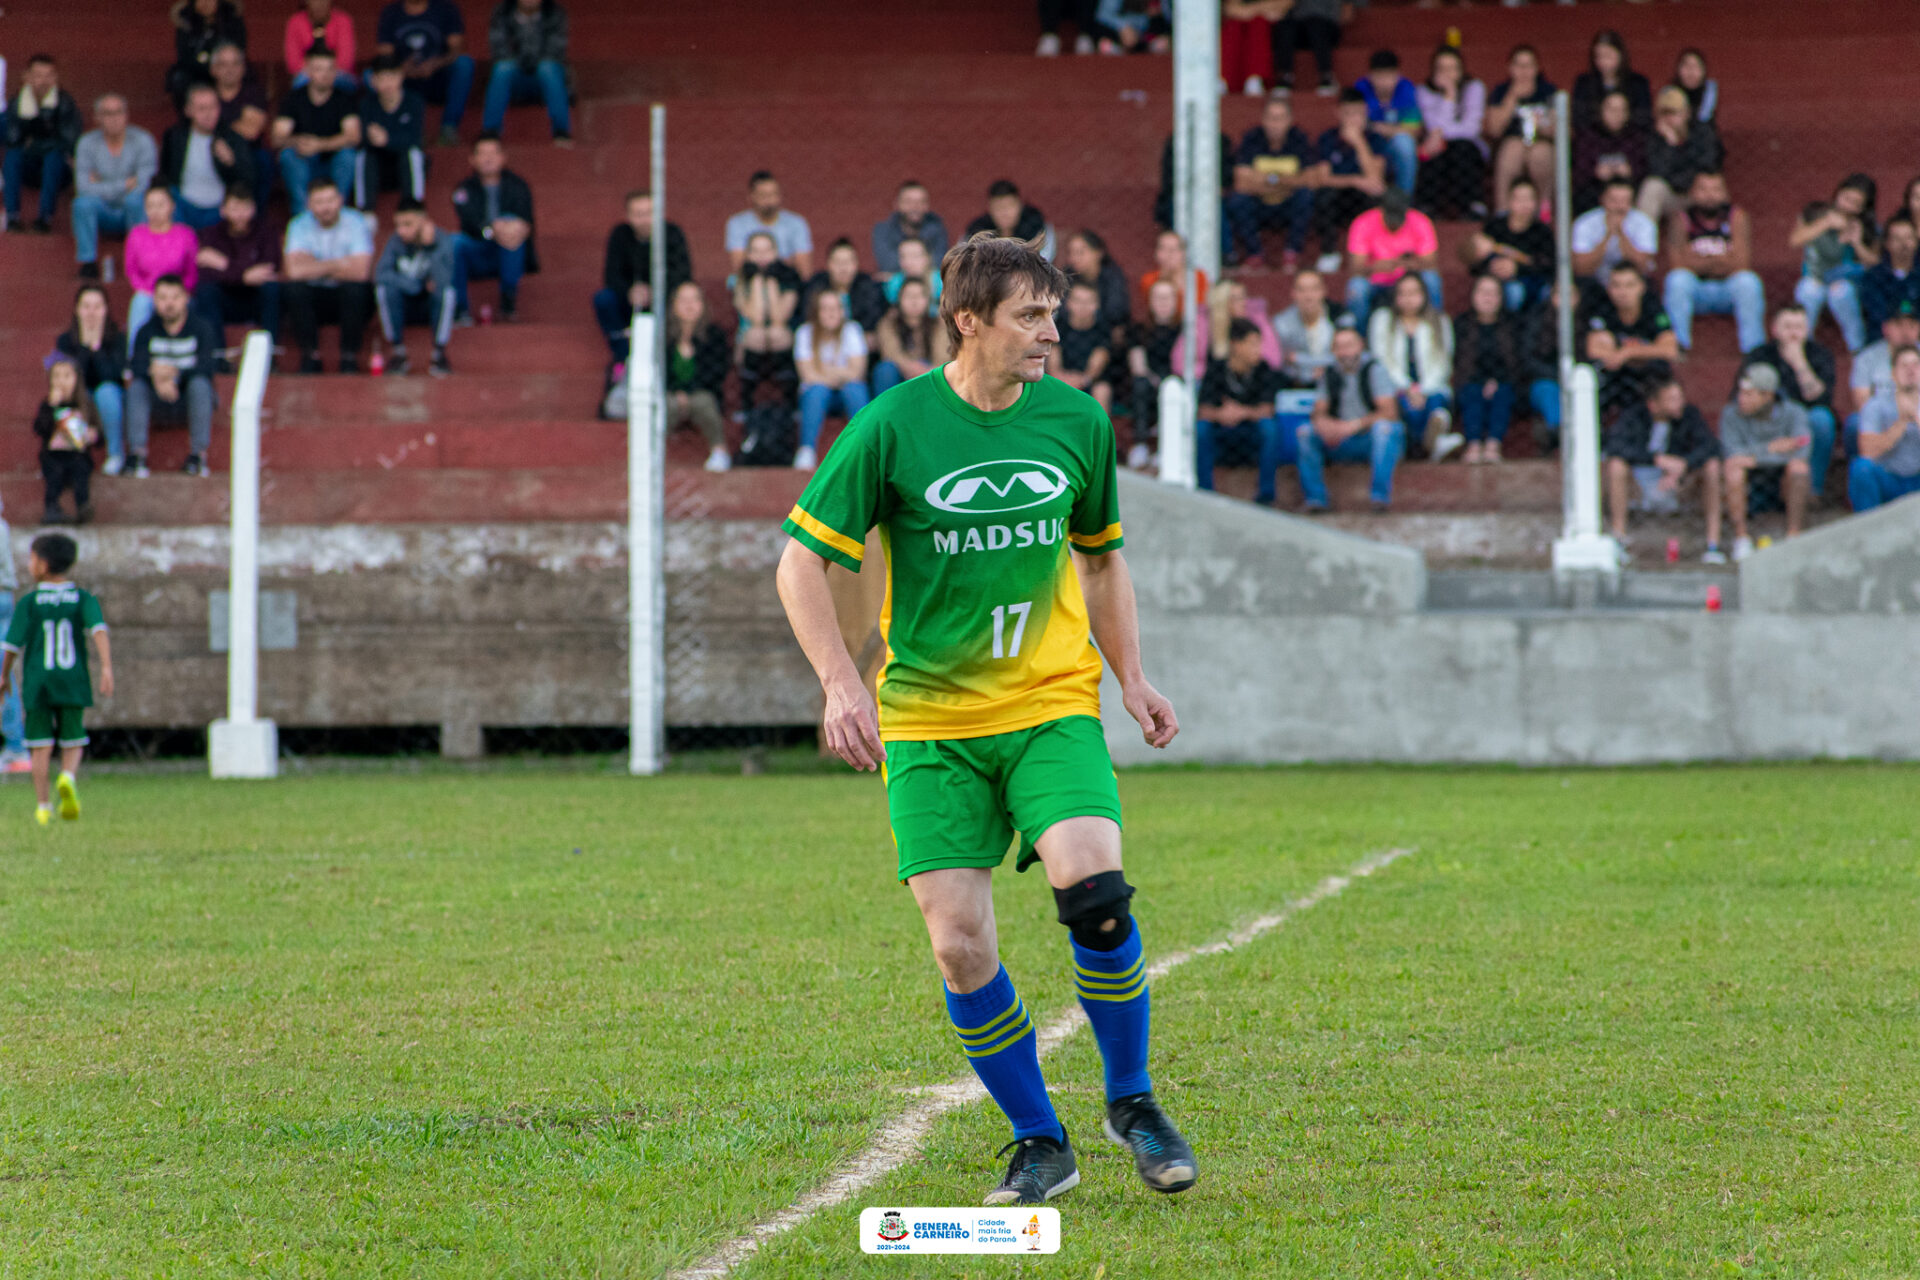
1109, 534
838, 541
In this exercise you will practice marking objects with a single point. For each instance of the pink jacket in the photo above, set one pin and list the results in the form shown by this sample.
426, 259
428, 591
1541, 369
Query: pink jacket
1203, 324
150, 256
339, 37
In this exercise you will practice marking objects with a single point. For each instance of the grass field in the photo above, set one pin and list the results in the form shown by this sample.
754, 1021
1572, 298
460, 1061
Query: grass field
546, 1022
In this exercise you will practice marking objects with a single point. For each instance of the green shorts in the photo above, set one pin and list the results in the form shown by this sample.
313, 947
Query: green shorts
46, 725
959, 802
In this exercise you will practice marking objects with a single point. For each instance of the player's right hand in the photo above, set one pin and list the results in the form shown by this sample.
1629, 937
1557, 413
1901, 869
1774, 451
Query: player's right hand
852, 726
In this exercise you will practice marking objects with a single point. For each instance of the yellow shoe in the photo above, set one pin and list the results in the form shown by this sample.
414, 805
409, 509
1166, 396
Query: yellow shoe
69, 798
43, 816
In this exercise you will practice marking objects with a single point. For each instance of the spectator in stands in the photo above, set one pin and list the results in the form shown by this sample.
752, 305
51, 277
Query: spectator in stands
172, 365
1226, 302
1804, 372
912, 340
1613, 148
1630, 338
915, 264
1355, 419
1350, 175
1888, 465
1393, 110
1088, 260
1610, 70
1246, 43
1516, 248
1385, 244
200, 159
766, 296
113, 166
496, 241
1318, 22
157, 248
1083, 356
1489, 361
765, 215
912, 218
413, 284
1703, 92
1838, 242
318, 22
1662, 446
239, 263
393, 124
318, 128
1150, 362
1891, 280
1238, 413
1711, 244
42, 127
1762, 431
1051, 12
1274, 177
1678, 151
1132, 26
329, 269
99, 350
1163, 198
1519, 123
625, 277
1305, 330
1872, 374
1413, 340
1614, 234
830, 352
1008, 214
528, 42
243, 109
69, 427
1910, 201
862, 300
1540, 345
1170, 264
1453, 155
429, 37
200, 27
697, 363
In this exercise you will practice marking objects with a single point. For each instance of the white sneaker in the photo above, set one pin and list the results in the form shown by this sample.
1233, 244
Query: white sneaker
1083, 45
1445, 445
1255, 87
1328, 264
113, 465
1742, 548
719, 459
1713, 555
1049, 46
1138, 457
806, 459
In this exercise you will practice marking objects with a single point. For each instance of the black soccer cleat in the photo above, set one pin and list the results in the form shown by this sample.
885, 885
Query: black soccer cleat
1163, 1157
1040, 1170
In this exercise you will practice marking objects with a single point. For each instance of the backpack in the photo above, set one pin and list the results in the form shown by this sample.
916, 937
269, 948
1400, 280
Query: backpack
772, 437
1334, 385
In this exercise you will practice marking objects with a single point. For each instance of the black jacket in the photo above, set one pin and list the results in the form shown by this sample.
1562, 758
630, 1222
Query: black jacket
1032, 224
1589, 93
1819, 359
197, 332
516, 201
1508, 356
866, 300
108, 364
194, 39
173, 156
47, 131
1630, 436
630, 260
712, 358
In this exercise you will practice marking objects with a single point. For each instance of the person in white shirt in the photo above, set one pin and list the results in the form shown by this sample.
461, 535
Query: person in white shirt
1613, 233
830, 352
792, 237
1413, 341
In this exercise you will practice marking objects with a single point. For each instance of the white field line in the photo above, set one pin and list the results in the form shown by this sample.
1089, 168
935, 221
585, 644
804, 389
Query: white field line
899, 1141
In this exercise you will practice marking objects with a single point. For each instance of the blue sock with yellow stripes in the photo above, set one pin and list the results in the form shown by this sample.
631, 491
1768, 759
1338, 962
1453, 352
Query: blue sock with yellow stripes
1001, 1044
1113, 991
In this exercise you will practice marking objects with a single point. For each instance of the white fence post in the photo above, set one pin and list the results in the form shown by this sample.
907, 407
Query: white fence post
243, 745
1582, 548
1178, 465
646, 529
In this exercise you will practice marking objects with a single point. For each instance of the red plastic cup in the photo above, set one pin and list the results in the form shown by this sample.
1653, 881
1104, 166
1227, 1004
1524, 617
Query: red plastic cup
377, 365
486, 313
1713, 597
1673, 551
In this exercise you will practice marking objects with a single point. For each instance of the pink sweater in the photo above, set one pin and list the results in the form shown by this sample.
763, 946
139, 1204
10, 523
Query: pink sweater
339, 37
151, 256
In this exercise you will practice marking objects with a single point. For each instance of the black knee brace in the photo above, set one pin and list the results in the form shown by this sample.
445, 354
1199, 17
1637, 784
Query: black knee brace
1095, 910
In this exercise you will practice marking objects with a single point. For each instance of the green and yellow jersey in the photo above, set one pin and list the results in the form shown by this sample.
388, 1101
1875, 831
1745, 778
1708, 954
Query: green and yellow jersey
49, 631
985, 626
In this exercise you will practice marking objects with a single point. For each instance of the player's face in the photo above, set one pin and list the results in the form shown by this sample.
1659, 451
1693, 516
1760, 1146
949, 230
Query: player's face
1020, 337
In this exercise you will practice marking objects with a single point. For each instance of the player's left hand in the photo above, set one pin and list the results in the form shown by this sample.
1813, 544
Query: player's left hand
106, 683
1150, 707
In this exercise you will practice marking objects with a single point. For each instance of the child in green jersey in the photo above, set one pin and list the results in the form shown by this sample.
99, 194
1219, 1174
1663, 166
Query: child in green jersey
45, 638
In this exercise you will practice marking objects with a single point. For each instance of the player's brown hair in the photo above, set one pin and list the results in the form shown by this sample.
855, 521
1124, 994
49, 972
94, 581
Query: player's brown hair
982, 271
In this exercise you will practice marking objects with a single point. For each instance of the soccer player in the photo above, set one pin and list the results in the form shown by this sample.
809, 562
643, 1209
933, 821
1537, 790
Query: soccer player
45, 637
982, 475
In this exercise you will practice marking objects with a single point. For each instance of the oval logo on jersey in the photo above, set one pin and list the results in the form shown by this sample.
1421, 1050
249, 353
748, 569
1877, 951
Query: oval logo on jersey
988, 488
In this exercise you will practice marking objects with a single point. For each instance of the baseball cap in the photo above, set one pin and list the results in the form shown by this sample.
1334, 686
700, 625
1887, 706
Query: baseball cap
1763, 378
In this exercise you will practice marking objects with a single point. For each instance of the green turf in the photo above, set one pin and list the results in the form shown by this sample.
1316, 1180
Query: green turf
552, 1023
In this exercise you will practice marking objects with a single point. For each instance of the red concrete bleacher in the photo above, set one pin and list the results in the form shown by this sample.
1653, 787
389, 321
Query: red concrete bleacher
842, 100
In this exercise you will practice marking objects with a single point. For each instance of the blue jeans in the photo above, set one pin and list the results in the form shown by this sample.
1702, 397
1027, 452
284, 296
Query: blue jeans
817, 400
139, 311
1483, 416
223, 304
1263, 439
1383, 446
298, 171
509, 84
886, 376
52, 174
110, 398
1523, 291
485, 260
1870, 485
197, 216
1820, 426
1841, 291
449, 87
1544, 396
91, 215
1740, 293
13, 722
1363, 296
1247, 216
1403, 160
615, 317
1416, 419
